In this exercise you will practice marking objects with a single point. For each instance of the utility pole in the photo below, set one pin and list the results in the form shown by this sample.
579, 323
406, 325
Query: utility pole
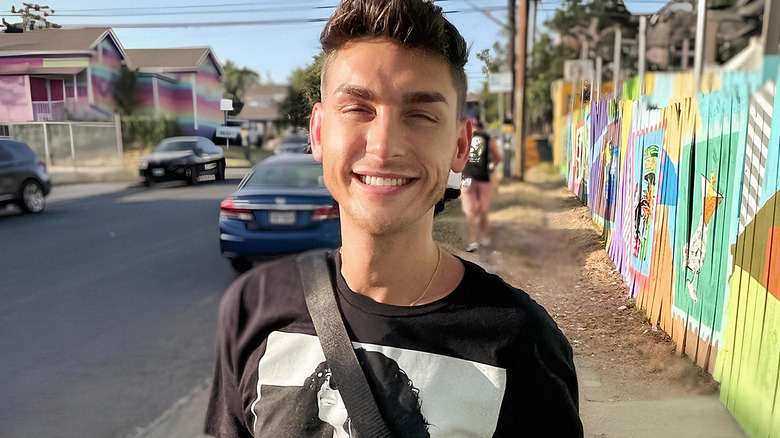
616, 61
511, 53
698, 55
771, 31
520, 60
643, 50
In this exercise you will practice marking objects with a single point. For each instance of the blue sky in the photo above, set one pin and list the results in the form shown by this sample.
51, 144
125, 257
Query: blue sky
276, 41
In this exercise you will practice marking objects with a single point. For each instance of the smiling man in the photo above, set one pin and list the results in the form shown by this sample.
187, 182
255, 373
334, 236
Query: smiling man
483, 359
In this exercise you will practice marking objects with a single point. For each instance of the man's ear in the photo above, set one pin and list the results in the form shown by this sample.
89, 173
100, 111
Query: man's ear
465, 132
315, 131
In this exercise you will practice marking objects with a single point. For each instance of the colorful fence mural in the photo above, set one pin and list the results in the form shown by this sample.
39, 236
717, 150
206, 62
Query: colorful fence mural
686, 192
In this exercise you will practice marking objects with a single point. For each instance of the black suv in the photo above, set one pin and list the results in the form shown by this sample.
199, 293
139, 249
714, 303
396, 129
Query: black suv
23, 177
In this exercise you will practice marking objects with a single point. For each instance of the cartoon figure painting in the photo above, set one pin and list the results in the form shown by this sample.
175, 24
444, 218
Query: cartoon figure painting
695, 250
643, 213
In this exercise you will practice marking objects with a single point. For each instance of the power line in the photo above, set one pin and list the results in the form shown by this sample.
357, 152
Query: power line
218, 24
128, 12
279, 21
146, 12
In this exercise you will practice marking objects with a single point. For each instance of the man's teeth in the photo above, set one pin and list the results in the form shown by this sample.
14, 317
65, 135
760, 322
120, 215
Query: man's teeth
376, 181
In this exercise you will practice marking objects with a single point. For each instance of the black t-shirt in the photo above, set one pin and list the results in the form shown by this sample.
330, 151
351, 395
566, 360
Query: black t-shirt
478, 162
486, 360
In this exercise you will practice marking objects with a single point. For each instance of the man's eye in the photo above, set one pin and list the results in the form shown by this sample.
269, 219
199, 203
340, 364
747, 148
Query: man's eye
355, 109
423, 117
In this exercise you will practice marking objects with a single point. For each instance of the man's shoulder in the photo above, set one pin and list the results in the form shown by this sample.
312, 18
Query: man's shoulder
491, 290
274, 276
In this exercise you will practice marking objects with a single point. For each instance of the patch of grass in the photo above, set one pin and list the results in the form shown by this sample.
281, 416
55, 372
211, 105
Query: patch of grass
234, 156
642, 314
448, 226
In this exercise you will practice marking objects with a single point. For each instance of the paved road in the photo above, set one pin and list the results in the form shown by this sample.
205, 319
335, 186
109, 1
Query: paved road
108, 306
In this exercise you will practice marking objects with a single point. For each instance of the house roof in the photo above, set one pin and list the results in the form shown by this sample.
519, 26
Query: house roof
172, 60
26, 69
267, 90
56, 41
264, 113
262, 102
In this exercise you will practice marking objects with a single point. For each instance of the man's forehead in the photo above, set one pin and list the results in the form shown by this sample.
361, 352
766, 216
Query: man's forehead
368, 66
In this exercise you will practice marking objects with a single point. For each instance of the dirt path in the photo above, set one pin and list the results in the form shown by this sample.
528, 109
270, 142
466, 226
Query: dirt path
545, 243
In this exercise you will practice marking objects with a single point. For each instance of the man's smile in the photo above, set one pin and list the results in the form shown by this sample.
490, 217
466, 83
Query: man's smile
379, 181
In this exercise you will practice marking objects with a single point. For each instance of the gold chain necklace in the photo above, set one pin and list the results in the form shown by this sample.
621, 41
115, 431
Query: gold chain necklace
425, 291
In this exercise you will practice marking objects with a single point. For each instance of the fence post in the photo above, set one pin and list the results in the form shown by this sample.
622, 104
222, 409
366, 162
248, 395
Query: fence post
46, 146
72, 146
119, 145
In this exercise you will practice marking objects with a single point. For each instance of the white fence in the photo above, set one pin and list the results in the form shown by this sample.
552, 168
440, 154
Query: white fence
72, 144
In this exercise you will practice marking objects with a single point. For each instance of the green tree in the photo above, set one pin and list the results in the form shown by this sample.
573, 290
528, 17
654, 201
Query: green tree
33, 16
547, 67
125, 90
235, 82
304, 93
588, 28
493, 60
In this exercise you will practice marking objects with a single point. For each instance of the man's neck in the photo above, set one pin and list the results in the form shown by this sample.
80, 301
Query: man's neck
395, 269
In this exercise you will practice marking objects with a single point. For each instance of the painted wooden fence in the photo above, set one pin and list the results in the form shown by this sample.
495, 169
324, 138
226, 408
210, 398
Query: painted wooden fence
686, 192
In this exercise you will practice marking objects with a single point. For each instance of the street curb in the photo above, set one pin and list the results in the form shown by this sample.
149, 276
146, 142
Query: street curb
60, 176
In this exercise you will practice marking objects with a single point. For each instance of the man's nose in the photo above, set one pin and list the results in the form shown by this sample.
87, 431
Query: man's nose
383, 137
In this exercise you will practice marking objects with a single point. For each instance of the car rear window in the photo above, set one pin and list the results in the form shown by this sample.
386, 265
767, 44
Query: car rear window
18, 149
295, 140
287, 176
174, 146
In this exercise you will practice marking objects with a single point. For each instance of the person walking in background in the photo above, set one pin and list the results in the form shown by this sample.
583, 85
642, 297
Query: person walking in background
476, 186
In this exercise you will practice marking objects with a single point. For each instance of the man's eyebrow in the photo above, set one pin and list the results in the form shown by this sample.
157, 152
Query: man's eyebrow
424, 97
409, 98
356, 91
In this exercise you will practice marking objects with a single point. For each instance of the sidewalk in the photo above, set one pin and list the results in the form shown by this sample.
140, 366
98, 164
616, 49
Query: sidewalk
83, 175
631, 384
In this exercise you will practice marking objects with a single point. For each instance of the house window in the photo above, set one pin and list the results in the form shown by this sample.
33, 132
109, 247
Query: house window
56, 86
38, 90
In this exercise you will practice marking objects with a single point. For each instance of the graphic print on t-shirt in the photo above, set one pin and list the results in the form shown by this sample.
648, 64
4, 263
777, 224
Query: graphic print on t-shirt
429, 394
477, 149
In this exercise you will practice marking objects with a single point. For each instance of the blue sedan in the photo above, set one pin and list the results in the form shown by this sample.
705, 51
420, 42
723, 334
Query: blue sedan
280, 207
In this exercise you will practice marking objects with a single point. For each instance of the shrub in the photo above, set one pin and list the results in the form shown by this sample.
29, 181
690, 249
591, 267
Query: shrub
141, 133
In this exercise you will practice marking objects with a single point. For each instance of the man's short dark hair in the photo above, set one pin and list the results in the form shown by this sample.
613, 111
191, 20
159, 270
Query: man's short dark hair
414, 24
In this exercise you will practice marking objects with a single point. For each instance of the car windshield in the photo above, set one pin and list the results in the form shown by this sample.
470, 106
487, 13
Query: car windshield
287, 175
174, 146
295, 140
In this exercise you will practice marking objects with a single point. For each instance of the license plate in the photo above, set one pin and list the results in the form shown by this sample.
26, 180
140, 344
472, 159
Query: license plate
158, 171
281, 217
209, 166
207, 177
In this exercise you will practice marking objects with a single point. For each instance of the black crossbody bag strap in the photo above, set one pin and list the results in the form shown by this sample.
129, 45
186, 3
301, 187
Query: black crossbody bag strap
339, 353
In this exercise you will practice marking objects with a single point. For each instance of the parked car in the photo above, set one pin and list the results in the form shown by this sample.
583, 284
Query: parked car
23, 177
192, 159
280, 207
296, 144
